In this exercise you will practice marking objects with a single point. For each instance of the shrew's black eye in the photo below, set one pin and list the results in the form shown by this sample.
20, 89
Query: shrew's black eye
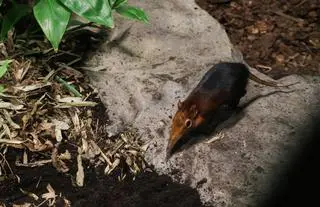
188, 123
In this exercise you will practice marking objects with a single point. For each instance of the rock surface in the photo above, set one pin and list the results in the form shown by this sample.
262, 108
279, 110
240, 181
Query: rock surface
147, 72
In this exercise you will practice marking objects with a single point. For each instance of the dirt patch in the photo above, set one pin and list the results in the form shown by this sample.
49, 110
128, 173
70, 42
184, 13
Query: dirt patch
276, 37
148, 189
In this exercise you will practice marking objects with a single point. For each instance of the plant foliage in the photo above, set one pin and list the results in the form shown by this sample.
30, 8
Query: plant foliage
53, 16
14, 14
53, 19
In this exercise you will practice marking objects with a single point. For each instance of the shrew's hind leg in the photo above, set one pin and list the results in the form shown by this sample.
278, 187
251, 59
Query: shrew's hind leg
233, 104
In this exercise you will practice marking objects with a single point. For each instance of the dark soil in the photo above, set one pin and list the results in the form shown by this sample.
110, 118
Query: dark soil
148, 189
276, 37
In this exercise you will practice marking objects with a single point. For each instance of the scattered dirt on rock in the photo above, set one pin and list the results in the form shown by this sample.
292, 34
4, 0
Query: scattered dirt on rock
276, 37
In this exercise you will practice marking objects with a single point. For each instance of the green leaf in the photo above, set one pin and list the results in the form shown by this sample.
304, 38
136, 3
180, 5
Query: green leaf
13, 15
69, 87
118, 3
111, 2
1, 88
132, 13
53, 19
4, 67
97, 11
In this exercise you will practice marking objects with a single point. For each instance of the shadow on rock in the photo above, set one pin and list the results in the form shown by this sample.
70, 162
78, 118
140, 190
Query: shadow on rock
299, 181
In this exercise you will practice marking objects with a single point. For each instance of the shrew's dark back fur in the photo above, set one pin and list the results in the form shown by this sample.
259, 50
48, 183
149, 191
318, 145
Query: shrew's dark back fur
225, 81
224, 76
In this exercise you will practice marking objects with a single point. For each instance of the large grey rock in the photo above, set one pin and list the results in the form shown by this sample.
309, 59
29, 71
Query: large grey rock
158, 63
145, 75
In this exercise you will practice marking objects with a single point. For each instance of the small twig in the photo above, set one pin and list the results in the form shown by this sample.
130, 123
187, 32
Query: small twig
298, 20
5, 160
76, 28
43, 202
37, 185
121, 143
62, 52
11, 141
34, 164
307, 48
97, 127
49, 75
303, 63
218, 136
70, 53
104, 156
25, 71
266, 69
67, 66
302, 2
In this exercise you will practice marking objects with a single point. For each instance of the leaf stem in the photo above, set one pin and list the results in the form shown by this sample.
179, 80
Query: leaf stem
68, 86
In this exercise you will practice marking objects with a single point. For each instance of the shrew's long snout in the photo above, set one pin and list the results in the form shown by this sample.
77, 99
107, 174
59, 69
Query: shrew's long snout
175, 136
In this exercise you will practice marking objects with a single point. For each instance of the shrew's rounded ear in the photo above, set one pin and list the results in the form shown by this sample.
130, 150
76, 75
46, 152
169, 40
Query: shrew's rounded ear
193, 111
179, 104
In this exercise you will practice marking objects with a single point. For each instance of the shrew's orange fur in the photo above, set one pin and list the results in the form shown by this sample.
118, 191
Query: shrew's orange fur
194, 109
